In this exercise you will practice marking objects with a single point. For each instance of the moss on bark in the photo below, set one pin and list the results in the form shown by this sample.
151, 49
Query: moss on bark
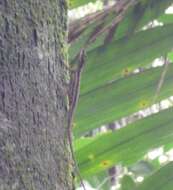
34, 151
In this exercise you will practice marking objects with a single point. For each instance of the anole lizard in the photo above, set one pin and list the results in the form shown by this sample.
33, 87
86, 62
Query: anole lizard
74, 88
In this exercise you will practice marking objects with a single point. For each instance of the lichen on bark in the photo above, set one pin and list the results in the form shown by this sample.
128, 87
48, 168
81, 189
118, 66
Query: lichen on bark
34, 151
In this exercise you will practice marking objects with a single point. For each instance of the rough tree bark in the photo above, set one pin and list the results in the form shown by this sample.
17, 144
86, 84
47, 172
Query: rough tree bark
34, 150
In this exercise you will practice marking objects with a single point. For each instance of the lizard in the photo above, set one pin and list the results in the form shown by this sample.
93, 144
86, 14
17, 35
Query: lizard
73, 94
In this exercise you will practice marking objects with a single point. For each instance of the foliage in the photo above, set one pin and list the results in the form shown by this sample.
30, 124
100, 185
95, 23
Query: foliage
118, 80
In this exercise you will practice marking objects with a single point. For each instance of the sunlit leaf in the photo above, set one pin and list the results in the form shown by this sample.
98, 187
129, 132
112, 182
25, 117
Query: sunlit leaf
127, 145
119, 58
121, 98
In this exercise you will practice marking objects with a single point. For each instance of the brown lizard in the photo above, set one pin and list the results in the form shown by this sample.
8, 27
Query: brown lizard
74, 89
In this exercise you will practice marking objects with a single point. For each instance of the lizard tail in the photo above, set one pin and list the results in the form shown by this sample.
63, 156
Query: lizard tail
75, 162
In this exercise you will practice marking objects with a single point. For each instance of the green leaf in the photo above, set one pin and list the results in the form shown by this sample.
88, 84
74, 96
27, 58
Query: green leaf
166, 18
100, 181
170, 56
120, 98
162, 179
143, 13
77, 3
128, 24
127, 183
81, 142
126, 145
168, 147
111, 62
83, 29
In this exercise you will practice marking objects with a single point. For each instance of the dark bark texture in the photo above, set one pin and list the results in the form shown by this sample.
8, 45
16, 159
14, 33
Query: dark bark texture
34, 153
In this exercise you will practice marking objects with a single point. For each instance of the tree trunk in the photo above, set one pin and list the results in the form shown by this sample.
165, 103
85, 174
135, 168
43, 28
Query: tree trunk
34, 150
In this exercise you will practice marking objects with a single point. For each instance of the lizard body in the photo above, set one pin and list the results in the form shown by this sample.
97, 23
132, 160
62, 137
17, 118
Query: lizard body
74, 89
